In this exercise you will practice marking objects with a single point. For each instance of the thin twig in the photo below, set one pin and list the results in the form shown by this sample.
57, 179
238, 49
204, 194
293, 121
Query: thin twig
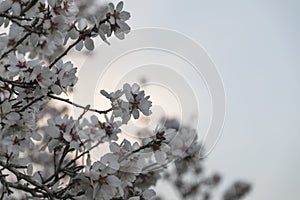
17, 83
14, 17
81, 37
21, 176
27, 189
31, 103
68, 164
65, 52
16, 45
26, 27
79, 106
28, 7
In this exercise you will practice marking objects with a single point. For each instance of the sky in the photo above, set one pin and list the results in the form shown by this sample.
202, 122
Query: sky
255, 45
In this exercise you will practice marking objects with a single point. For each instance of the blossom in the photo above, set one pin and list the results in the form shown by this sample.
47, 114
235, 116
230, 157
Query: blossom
184, 143
118, 20
91, 130
64, 77
61, 131
137, 99
8, 116
16, 64
119, 106
101, 186
112, 128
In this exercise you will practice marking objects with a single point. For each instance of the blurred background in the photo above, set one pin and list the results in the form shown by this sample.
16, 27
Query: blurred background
255, 45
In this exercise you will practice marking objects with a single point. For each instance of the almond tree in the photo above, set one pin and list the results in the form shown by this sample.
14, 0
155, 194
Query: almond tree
53, 161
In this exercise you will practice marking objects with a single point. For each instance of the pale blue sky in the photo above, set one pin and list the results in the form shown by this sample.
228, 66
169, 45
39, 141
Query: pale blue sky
256, 46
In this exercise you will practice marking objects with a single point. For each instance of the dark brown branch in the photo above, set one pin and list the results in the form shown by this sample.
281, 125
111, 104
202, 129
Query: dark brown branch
14, 17
83, 153
21, 176
81, 37
17, 83
27, 189
79, 106
33, 24
65, 52
69, 164
28, 7
26, 27
31, 103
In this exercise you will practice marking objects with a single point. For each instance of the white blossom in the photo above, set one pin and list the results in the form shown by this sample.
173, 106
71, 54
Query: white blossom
137, 99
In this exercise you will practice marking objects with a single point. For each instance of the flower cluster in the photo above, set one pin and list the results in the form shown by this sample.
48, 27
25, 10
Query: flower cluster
135, 102
27, 83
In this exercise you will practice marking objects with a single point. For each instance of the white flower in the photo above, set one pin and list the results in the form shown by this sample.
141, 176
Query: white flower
16, 64
183, 142
8, 116
92, 131
44, 77
109, 164
161, 154
112, 128
87, 42
103, 186
61, 131
64, 76
117, 20
137, 100
103, 30
112, 96
129, 162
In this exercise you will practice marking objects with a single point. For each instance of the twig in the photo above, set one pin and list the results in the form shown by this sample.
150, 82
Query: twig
68, 164
27, 189
83, 153
21, 176
14, 17
79, 106
16, 45
17, 83
65, 52
26, 27
28, 7
31, 103
81, 37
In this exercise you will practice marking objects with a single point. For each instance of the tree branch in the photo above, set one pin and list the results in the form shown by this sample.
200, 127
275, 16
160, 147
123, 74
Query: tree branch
14, 17
27, 178
16, 45
65, 52
27, 189
17, 83
81, 37
26, 27
79, 106
28, 7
